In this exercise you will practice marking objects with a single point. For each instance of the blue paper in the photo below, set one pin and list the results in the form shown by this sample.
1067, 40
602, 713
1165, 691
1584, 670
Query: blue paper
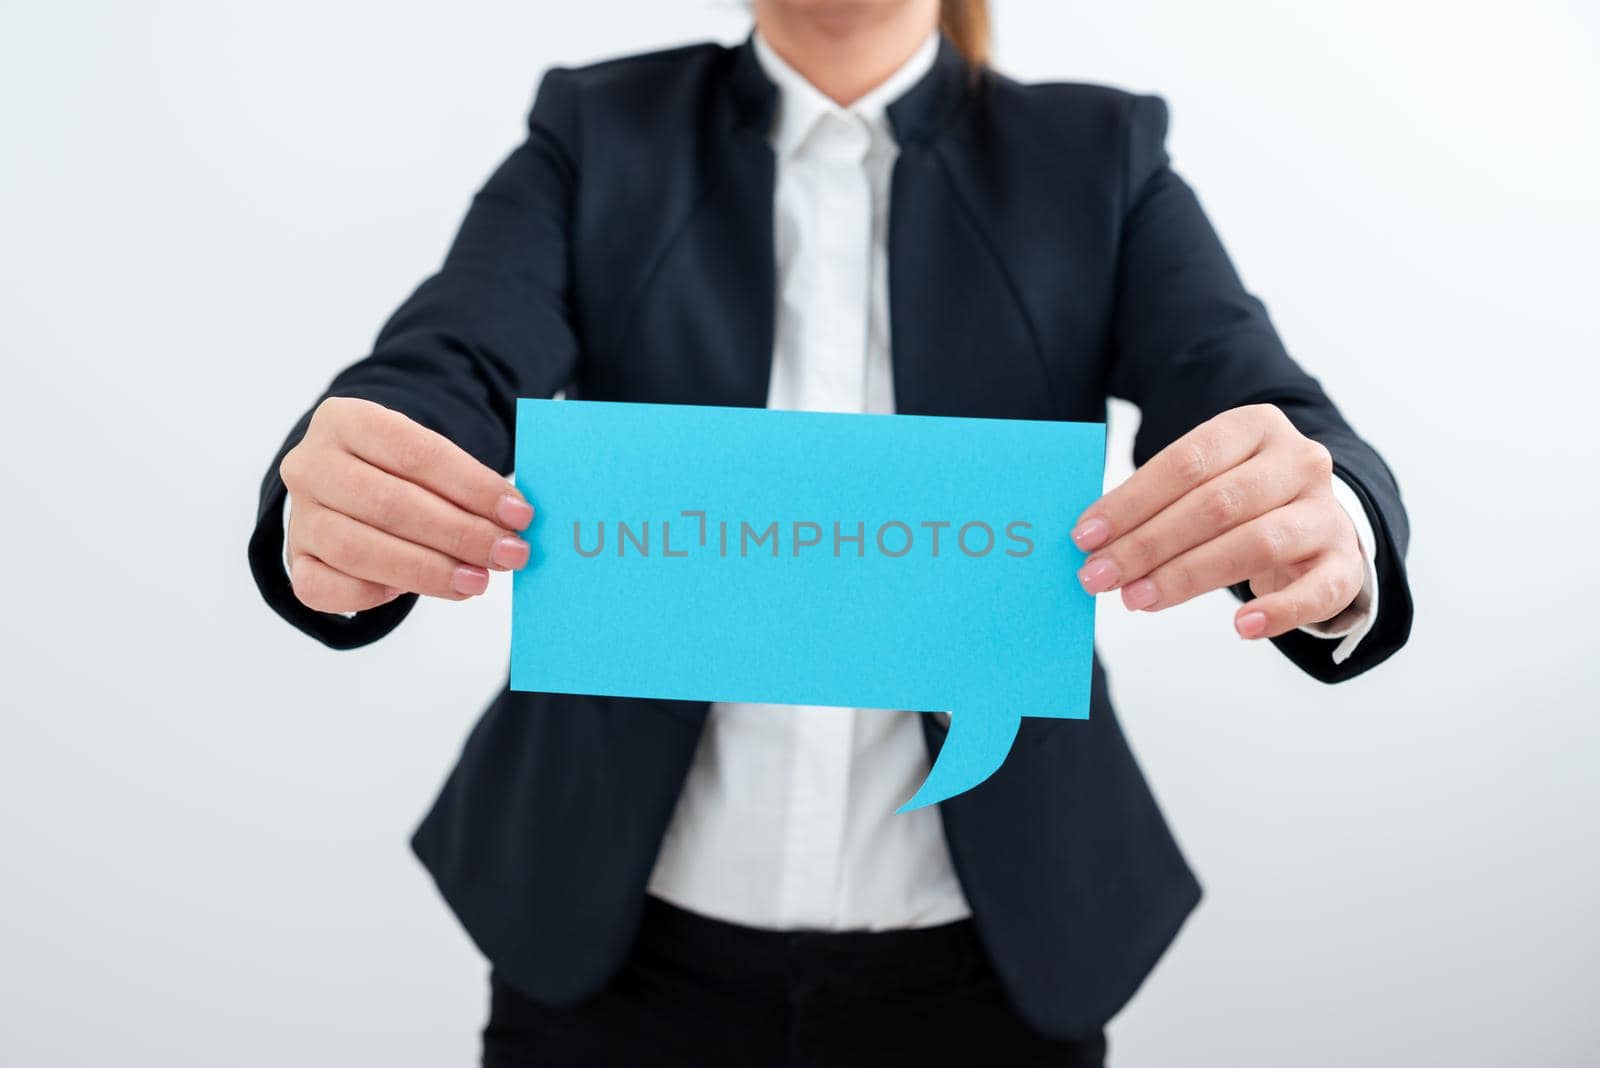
748, 555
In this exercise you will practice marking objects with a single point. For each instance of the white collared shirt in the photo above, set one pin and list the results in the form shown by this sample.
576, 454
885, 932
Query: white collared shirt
787, 818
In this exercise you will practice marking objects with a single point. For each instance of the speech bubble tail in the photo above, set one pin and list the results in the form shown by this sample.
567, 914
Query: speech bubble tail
973, 750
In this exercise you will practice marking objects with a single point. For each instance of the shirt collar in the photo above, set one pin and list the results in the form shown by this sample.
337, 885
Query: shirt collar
801, 104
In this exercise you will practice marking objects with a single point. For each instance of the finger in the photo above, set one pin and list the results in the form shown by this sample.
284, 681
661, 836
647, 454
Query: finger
1281, 537
321, 588
1220, 443
1324, 591
365, 552
361, 491
409, 450
1246, 492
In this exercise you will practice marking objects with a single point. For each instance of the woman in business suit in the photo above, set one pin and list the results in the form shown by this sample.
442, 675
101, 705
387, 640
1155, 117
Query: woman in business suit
850, 212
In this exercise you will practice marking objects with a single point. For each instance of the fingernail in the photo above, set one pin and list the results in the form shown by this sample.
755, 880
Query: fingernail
509, 553
514, 512
1098, 576
1251, 624
1091, 534
1140, 595
469, 581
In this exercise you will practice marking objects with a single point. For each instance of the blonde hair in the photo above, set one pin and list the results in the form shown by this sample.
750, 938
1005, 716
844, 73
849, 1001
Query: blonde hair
966, 23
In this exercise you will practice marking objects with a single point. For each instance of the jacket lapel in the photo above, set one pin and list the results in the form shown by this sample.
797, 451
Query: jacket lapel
735, 229
962, 340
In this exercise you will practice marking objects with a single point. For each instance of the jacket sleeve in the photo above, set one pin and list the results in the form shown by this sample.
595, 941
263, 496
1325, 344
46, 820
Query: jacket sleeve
491, 325
1190, 342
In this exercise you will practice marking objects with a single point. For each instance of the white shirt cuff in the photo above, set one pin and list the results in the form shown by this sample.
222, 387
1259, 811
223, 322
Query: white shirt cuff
1351, 625
288, 501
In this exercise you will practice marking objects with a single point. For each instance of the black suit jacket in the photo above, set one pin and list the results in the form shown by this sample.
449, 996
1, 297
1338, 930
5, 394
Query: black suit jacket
1042, 257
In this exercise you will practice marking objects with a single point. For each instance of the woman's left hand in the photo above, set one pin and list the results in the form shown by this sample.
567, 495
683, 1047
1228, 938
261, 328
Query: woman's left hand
1242, 497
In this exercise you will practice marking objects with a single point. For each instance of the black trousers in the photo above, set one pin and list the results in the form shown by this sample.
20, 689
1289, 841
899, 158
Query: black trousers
696, 991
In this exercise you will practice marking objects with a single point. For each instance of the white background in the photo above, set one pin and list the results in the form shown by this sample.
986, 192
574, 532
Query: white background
207, 208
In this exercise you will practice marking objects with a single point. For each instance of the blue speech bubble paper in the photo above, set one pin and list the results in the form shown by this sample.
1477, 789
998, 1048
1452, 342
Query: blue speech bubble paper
774, 557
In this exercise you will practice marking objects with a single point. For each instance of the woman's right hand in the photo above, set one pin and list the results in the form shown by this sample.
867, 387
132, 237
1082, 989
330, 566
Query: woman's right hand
381, 505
